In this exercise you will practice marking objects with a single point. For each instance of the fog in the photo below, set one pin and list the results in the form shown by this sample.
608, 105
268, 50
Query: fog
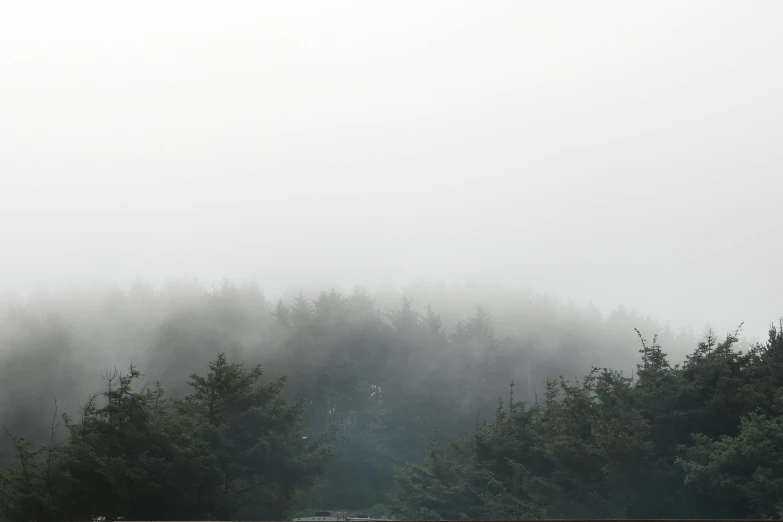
617, 153
405, 209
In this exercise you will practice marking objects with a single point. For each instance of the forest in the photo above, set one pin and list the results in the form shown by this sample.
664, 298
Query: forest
183, 402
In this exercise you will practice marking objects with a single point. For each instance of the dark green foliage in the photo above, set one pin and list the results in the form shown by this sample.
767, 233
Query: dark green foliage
655, 440
231, 449
700, 441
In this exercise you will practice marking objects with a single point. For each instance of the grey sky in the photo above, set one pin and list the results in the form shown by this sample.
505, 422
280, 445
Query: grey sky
620, 152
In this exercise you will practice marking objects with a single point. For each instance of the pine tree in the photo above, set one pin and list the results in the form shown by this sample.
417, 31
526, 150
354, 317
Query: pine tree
301, 311
282, 315
406, 319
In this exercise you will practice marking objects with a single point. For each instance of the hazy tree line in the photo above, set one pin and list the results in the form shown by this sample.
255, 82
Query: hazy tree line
700, 440
615, 443
230, 449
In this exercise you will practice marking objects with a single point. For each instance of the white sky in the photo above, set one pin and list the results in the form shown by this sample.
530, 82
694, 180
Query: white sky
620, 152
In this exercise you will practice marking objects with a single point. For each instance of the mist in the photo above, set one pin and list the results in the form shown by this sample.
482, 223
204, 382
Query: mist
613, 153
435, 199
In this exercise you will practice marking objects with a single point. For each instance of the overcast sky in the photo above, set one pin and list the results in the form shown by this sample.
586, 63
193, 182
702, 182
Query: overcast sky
620, 152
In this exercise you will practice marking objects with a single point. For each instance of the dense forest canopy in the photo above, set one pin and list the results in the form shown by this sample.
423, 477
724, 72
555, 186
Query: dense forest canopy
386, 402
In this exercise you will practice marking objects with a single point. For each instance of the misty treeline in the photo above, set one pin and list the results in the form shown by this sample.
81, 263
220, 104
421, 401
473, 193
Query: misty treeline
230, 449
227, 440
699, 440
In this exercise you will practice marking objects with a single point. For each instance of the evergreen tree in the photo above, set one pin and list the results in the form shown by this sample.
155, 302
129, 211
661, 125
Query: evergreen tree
232, 449
282, 316
405, 321
301, 311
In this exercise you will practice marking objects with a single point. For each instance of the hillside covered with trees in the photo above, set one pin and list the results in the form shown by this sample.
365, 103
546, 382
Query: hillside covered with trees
377, 402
